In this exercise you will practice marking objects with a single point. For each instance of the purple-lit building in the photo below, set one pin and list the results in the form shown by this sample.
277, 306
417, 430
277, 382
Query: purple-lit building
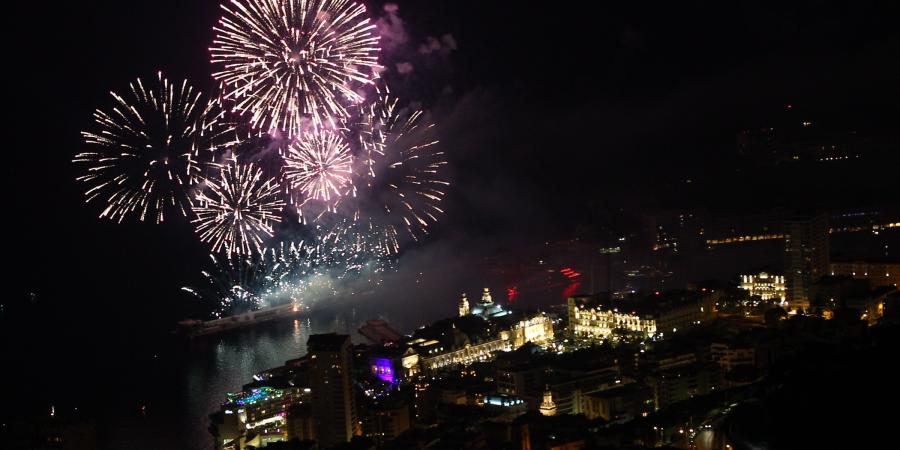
393, 364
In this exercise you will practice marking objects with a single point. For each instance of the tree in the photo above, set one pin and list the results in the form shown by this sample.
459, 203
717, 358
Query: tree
774, 316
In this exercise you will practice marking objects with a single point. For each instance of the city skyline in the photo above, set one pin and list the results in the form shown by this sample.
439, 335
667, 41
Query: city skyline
200, 189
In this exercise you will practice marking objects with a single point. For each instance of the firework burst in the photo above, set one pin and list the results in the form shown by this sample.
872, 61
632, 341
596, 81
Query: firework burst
354, 242
149, 149
277, 275
238, 209
318, 167
282, 61
400, 174
233, 285
287, 272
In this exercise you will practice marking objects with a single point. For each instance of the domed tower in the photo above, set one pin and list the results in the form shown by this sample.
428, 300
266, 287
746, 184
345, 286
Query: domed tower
548, 408
486, 300
486, 307
463, 305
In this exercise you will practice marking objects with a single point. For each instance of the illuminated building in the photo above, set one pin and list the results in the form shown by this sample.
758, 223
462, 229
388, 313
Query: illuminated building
548, 408
509, 406
393, 364
537, 330
333, 399
437, 358
806, 257
466, 339
764, 285
384, 369
884, 273
258, 414
599, 322
486, 306
463, 306
656, 315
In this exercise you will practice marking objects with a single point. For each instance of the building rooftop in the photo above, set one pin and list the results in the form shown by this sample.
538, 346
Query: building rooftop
623, 389
388, 351
867, 260
275, 383
645, 304
327, 342
379, 331
457, 331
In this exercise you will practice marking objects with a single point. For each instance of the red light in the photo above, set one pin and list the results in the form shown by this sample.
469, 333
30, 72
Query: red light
569, 273
570, 290
512, 293
657, 292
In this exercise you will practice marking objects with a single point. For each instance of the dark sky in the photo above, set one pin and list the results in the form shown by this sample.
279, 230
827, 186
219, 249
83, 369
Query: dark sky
548, 110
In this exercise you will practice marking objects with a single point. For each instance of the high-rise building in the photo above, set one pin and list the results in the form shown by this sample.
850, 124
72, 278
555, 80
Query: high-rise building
300, 424
385, 418
330, 378
258, 415
806, 257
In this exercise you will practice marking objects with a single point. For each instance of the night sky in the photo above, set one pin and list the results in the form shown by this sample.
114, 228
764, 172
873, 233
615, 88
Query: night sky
555, 114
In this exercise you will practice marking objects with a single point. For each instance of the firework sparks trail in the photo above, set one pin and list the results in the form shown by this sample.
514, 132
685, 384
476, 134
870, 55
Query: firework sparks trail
283, 62
318, 167
232, 285
400, 176
238, 209
150, 148
356, 242
297, 273
276, 275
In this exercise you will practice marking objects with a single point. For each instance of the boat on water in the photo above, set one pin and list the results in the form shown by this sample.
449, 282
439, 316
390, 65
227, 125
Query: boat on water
196, 328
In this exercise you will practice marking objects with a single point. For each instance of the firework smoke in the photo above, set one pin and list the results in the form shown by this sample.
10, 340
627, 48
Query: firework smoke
400, 177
